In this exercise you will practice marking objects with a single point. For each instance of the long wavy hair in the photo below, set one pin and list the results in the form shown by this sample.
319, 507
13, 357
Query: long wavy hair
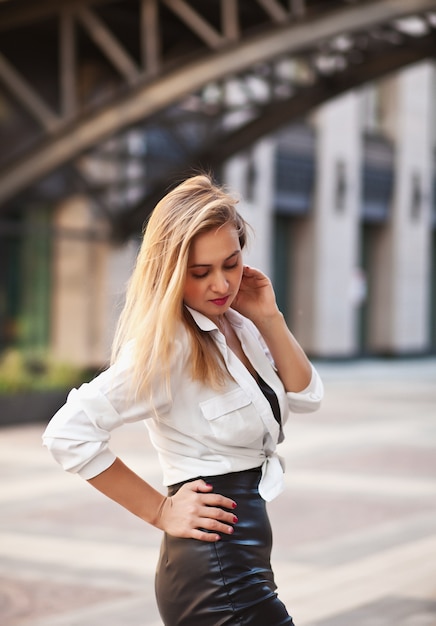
154, 301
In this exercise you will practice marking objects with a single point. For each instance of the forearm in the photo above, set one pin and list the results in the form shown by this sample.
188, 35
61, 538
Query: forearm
188, 513
121, 484
293, 366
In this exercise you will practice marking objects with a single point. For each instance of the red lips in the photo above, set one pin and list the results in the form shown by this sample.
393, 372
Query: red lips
220, 301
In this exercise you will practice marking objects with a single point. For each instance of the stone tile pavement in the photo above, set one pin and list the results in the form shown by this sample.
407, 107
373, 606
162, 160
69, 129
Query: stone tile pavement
355, 530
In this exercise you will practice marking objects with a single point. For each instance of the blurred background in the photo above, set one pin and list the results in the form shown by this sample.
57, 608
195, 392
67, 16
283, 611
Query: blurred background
320, 115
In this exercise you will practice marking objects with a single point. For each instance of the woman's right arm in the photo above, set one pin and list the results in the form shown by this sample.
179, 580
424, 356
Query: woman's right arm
78, 438
190, 513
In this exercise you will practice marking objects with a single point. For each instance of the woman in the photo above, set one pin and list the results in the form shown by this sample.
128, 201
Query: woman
204, 356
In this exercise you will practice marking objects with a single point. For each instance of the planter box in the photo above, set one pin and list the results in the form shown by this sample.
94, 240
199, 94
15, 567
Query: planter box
29, 407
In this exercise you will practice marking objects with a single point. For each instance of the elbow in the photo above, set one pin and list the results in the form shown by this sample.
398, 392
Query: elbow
84, 458
64, 453
307, 403
309, 400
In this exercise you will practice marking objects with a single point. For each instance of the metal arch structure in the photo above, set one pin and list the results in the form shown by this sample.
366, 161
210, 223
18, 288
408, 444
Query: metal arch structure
81, 81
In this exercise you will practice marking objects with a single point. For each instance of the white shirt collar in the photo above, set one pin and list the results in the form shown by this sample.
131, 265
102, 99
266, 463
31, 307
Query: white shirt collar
204, 323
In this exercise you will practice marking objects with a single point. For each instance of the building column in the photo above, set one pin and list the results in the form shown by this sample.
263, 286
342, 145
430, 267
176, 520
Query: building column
399, 319
79, 314
120, 265
252, 175
326, 282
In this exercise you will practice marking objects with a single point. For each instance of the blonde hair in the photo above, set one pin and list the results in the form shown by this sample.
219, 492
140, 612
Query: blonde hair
154, 300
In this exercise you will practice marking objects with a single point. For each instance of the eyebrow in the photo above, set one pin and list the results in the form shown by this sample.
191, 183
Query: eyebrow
210, 264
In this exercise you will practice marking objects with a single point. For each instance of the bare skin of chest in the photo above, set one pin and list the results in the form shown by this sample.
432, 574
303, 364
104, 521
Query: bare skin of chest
235, 345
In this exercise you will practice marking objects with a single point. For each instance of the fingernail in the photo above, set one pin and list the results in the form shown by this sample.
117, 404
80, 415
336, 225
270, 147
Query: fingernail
234, 505
235, 519
231, 530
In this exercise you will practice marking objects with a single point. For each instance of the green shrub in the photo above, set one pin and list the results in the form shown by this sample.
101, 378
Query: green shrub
21, 372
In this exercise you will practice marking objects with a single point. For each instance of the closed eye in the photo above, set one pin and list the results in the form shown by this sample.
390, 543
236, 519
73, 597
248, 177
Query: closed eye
226, 268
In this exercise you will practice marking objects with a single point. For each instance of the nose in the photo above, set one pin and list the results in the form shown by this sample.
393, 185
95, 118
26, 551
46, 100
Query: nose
220, 284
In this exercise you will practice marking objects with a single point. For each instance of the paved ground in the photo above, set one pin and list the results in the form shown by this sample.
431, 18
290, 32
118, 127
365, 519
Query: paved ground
355, 531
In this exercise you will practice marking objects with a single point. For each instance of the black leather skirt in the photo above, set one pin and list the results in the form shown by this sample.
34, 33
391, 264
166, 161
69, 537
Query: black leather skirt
229, 582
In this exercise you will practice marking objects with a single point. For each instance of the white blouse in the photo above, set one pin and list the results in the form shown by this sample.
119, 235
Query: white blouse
196, 430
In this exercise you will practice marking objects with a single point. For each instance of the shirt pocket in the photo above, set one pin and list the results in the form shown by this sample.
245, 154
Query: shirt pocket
233, 418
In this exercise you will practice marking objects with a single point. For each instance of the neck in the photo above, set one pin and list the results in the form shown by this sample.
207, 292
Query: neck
221, 322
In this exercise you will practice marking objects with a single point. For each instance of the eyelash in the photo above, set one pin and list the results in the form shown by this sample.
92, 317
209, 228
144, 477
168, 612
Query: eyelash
229, 267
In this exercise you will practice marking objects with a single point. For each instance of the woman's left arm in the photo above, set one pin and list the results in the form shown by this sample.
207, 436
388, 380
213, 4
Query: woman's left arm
256, 300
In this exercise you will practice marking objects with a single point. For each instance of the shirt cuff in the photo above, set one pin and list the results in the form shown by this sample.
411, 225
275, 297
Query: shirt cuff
309, 399
98, 465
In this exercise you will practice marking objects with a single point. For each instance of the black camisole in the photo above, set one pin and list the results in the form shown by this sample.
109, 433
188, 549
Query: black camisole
271, 397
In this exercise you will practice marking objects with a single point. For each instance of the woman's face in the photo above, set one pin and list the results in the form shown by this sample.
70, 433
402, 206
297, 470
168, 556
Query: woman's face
214, 271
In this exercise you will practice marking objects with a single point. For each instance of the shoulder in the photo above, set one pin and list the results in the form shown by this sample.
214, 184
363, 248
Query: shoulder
131, 352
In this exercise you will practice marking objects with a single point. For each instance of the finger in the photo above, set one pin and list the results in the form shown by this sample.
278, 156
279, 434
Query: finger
201, 535
210, 499
252, 271
219, 514
216, 499
214, 526
199, 485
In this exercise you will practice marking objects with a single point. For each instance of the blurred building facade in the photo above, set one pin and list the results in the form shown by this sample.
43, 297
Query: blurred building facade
350, 239
344, 213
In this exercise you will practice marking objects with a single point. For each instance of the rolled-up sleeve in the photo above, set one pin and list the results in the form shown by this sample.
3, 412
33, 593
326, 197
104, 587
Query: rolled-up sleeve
309, 399
78, 435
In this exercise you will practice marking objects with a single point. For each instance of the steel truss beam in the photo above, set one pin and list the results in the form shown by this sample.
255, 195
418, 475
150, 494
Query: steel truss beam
275, 115
293, 57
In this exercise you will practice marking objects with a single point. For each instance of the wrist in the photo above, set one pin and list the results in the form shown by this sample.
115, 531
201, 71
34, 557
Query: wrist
267, 323
157, 520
